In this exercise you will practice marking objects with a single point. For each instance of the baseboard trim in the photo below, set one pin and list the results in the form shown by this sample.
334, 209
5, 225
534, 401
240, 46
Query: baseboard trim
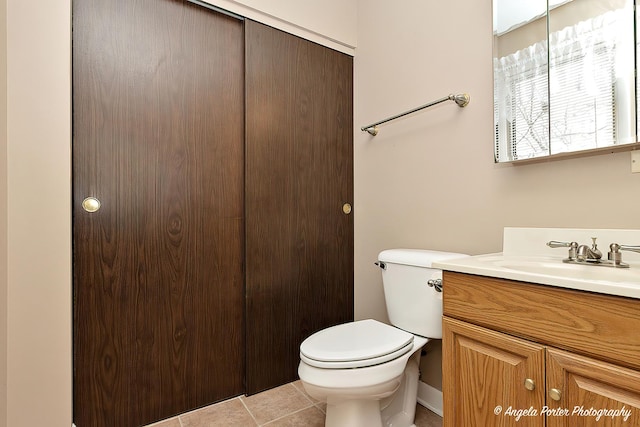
430, 397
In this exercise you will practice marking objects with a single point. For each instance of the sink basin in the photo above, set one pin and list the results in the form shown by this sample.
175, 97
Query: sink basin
557, 268
551, 271
527, 258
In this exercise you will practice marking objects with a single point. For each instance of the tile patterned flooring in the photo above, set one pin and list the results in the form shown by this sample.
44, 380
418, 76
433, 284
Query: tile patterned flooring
284, 406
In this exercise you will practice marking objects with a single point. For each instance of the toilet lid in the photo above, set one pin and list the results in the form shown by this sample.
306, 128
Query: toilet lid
355, 345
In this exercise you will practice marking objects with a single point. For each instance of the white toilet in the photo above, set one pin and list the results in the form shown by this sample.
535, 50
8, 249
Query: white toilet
367, 371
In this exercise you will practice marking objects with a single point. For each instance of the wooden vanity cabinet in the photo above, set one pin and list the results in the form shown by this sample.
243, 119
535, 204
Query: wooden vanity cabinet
587, 383
484, 371
531, 355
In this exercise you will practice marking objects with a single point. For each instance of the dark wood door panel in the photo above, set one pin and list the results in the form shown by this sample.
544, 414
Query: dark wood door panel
299, 156
158, 273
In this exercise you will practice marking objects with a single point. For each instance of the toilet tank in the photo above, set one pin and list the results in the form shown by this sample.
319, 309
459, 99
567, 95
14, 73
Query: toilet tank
411, 304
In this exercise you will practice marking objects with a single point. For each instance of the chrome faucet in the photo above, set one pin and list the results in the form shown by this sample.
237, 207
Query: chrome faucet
584, 254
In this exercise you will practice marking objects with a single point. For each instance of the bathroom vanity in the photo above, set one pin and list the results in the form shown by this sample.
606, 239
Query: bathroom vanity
547, 347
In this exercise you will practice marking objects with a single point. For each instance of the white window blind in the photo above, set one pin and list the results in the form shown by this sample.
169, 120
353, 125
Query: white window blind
582, 79
522, 113
563, 98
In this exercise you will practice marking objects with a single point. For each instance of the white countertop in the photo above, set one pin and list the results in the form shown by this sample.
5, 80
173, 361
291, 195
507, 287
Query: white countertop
526, 258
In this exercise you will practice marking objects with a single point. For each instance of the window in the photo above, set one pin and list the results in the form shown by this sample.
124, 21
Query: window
567, 97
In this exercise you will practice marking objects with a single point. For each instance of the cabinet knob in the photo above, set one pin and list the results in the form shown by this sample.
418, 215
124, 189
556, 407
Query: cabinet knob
529, 384
555, 394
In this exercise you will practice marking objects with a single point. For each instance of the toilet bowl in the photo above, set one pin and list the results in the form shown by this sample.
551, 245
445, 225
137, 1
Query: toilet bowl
356, 385
367, 371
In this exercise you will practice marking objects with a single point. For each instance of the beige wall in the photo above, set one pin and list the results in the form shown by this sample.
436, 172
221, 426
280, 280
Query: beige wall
3, 211
39, 214
429, 180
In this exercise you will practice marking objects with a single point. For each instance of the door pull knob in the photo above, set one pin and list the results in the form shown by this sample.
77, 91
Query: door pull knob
91, 204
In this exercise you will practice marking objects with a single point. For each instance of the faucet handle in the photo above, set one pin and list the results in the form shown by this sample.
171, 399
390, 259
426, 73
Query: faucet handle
629, 248
615, 255
573, 247
556, 244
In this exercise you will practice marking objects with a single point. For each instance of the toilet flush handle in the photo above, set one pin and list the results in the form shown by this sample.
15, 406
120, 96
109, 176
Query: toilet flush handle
381, 264
435, 284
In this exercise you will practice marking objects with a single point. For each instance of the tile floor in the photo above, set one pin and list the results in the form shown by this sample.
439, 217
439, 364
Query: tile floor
287, 405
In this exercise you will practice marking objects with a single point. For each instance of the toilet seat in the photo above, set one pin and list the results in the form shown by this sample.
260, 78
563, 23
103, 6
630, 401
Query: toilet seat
355, 345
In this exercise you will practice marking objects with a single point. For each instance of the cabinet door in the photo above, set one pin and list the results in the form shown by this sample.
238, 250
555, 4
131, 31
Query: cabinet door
591, 392
484, 374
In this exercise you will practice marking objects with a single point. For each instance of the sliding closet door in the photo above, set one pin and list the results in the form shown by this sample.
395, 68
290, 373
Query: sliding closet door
158, 112
299, 174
